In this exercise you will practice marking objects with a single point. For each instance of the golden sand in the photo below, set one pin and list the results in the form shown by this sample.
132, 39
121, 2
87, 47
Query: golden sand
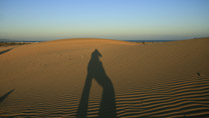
105, 78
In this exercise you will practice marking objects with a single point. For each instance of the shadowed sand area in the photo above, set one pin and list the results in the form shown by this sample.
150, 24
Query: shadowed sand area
2, 98
106, 78
4, 51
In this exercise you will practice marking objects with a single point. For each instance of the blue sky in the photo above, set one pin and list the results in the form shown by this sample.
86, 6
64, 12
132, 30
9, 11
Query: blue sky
114, 19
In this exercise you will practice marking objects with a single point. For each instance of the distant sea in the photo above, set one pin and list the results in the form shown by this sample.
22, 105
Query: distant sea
149, 40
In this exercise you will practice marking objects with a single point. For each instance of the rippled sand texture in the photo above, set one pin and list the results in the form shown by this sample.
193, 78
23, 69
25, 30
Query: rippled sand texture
105, 78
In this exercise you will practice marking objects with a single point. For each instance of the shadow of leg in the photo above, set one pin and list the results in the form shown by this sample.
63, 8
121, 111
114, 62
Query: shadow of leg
108, 107
83, 106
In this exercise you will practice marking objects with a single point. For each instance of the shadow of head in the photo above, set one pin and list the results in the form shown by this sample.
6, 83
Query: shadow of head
96, 54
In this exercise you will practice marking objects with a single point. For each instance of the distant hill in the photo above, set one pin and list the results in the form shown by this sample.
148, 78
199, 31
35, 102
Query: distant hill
6, 40
10, 40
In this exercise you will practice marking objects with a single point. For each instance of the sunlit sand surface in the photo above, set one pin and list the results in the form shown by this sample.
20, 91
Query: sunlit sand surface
105, 78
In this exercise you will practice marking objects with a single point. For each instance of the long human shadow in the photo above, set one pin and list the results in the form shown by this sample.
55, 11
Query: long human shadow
4, 51
97, 72
2, 98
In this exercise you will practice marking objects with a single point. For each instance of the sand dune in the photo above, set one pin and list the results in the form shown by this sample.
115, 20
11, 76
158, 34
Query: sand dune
105, 78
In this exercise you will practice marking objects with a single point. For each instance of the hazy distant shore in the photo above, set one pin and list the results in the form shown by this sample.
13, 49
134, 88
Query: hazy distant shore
14, 43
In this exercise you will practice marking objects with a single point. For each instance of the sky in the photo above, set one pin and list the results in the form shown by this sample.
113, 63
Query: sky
112, 19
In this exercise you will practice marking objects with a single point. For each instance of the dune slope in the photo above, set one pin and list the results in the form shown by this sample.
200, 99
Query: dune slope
105, 78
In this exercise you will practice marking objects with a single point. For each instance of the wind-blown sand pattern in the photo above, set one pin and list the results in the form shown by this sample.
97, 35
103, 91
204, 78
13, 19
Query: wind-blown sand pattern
105, 78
